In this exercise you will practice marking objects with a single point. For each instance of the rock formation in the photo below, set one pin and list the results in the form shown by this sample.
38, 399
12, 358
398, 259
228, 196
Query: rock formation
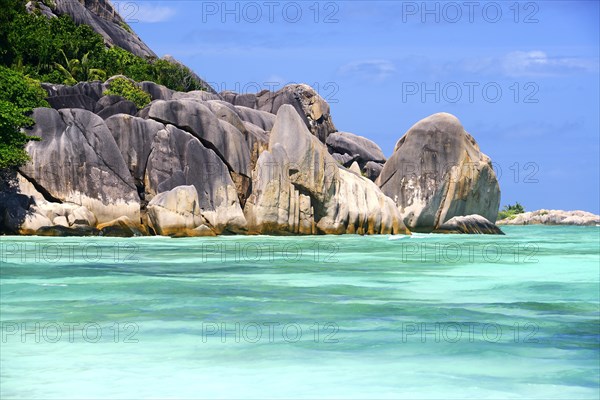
201, 164
311, 107
77, 161
101, 16
553, 217
470, 224
438, 172
300, 188
348, 148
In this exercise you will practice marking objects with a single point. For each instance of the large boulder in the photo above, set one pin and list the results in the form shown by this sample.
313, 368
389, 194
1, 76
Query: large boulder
470, 224
108, 106
372, 170
177, 158
162, 157
351, 144
276, 206
134, 137
77, 161
311, 107
262, 119
178, 213
156, 91
196, 118
92, 90
300, 188
25, 211
438, 172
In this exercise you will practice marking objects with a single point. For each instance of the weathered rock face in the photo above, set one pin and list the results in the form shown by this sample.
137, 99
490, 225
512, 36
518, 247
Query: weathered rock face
470, 224
25, 211
162, 157
122, 227
178, 213
553, 217
78, 161
195, 117
351, 144
134, 137
179, 159
438, 172
372, 170
299, 188
108, 106
311, 107
103, 18
156, 91
262, 119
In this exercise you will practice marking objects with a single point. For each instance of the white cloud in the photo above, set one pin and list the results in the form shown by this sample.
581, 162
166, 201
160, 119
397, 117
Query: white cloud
150, 13
374, 70
534, 63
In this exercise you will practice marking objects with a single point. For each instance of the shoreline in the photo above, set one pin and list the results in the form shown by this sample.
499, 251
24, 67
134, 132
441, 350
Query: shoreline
551, 218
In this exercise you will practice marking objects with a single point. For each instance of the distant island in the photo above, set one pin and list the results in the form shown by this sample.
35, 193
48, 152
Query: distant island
552, 217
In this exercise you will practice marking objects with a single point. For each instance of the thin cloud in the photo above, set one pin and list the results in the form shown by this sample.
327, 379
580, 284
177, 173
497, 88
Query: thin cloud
374, 70
535, 63
149, 13
538, 63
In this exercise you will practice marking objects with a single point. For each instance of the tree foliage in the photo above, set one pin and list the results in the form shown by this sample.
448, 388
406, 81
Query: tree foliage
56, 50
19, 95
35, 48
511, 211
125, 88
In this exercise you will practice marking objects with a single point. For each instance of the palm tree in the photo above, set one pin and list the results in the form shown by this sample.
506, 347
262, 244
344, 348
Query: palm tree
75, 70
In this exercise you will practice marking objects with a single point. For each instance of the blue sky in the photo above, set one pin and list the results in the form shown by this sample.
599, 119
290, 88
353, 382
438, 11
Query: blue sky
523, 77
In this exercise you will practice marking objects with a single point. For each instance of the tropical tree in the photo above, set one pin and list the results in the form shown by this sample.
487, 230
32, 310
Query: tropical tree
75, 70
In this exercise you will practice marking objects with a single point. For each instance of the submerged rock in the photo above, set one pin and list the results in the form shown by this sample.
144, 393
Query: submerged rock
470, 224
122, 227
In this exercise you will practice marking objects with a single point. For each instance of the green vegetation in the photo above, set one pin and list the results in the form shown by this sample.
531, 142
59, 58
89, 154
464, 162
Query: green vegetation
79, 70
126, 27
511, 211
56, 50
125, 88
19, 95
34, 48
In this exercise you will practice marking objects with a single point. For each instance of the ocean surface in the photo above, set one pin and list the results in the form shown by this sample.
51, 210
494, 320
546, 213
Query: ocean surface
427, 316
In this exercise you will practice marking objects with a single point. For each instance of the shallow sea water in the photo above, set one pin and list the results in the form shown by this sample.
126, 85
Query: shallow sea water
427, 316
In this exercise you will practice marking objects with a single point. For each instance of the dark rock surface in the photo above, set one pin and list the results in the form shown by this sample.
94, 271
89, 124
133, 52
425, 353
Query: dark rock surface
469, 224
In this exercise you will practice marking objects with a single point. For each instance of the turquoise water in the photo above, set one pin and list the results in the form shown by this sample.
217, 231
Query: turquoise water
430, 316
